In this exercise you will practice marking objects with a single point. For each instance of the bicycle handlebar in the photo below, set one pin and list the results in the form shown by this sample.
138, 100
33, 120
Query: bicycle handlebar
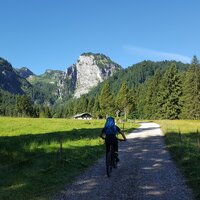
121, 140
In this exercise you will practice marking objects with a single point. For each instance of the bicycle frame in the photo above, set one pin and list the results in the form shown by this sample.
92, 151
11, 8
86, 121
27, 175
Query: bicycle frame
111, 161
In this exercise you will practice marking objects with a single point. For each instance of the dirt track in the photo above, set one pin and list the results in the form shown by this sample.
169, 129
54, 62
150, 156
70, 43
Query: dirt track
145, 172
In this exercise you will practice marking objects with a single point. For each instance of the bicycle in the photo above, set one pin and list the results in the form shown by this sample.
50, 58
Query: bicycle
111, 159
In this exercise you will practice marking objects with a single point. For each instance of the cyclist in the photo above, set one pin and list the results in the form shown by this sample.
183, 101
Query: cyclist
109, 134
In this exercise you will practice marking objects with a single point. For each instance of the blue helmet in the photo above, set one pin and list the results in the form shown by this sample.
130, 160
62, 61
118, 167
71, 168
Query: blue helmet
110, 122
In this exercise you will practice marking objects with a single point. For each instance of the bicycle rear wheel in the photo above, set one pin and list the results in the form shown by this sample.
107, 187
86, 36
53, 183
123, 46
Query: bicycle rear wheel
109, 164
114, 161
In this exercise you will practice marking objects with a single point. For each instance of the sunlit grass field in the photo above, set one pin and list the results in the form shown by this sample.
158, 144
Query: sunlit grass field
182, 138
38, 157
184, 126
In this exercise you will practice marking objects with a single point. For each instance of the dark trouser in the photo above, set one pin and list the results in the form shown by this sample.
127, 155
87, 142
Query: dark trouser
111, 140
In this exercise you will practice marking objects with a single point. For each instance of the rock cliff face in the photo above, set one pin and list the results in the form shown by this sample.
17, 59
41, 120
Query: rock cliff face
55, 85
89, 71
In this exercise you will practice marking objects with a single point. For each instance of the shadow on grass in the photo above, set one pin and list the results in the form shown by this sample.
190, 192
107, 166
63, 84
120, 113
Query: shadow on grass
145, 171
33, 166
185, 151
11, 148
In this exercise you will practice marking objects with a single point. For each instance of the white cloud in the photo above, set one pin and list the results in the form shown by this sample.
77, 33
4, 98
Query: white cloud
149, 54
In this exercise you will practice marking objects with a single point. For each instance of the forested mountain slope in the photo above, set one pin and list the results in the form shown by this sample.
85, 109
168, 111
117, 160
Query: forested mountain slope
10, 80
55, 86
138, 74
147, 90
95, 84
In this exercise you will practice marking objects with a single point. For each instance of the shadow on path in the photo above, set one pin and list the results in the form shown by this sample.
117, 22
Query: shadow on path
145, 172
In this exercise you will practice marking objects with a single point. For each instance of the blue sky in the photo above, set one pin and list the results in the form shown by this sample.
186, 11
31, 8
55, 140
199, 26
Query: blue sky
51, 34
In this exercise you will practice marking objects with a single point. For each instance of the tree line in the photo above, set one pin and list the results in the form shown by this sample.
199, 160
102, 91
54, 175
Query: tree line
21, 106
168, 92
173, 95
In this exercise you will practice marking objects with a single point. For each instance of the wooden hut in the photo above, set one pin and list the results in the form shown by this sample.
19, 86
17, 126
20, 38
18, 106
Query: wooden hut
83, 116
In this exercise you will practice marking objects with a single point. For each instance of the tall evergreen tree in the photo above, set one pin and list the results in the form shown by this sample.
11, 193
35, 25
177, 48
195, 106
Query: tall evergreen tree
169, 104
124, 100
140, 101
106, 101
36, 111
47, 112
191, 91
150, 96
69, 109
96, 111
195, 60
81, 104
24, 106
90, 104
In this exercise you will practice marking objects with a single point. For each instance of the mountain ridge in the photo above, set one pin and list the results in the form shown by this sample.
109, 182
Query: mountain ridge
84, 77
56, 85
10, 80
24, 72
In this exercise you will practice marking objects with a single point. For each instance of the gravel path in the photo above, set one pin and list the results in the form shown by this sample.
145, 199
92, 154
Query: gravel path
145, 172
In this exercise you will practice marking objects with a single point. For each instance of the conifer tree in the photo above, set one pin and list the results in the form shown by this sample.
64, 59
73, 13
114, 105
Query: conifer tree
140, 101
24, 106
36, 111
169, 104
195, 60
150, 96
96, 108
90, 104
191, 91
124, 100
60, 113
69, 109
82, 104
47, 112
106, 101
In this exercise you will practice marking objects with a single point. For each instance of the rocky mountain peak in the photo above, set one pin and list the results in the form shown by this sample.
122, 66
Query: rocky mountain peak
90, 70
5, 66
24, 72
10, 80
55, 85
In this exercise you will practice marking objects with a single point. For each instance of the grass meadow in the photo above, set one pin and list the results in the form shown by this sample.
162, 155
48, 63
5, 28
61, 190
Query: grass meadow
182, 138
38, 157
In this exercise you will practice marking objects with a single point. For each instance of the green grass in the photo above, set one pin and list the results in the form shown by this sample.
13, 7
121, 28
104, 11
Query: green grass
31, 165
181, 137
